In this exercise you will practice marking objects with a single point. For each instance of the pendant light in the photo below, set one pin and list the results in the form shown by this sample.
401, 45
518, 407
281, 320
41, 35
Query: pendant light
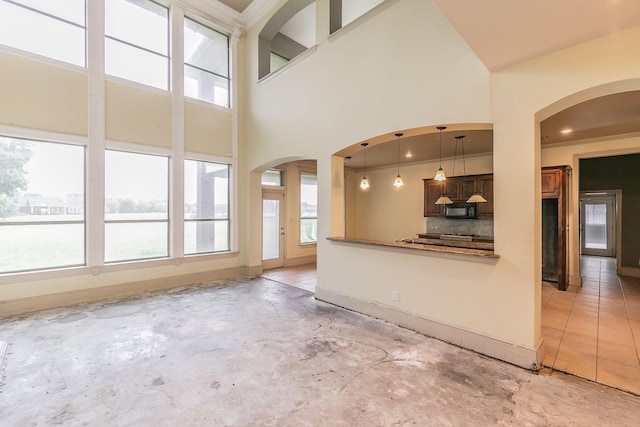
443, 200
398, 182
440, 172
476, 197
364, 182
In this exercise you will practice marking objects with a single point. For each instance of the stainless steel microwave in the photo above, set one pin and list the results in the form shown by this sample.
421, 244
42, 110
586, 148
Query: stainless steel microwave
460, 210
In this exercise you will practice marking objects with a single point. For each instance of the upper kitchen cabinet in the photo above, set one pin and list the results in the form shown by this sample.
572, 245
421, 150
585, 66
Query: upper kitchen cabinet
553, 180
459, 189
485, 188
432, 191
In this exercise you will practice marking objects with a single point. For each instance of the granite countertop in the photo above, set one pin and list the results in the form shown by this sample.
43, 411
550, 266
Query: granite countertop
424, 246
473, 242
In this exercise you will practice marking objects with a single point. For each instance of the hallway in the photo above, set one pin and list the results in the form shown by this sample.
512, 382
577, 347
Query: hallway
594, 333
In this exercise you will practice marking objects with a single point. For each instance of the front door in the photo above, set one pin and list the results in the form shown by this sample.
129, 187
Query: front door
597, 224
272, 230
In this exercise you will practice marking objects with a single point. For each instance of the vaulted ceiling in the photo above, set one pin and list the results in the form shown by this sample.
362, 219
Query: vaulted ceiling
505, 32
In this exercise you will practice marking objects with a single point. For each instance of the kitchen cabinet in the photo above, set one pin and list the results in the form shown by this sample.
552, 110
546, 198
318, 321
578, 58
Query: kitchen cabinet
554, 182
551, 182
459, 189
432, 191
485, 188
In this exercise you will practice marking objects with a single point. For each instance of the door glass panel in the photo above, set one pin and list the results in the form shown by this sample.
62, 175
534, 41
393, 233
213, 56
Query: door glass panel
595, 226
270, 229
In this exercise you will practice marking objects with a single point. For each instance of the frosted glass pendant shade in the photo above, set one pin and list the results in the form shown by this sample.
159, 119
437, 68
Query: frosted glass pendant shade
440, 175
398, 182
364, 183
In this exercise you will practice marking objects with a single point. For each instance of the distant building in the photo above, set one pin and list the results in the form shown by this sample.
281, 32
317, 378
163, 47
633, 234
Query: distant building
36, 204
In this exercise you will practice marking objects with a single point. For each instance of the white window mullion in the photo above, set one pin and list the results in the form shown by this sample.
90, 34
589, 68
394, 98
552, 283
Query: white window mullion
96, 130
233, 184
176, 191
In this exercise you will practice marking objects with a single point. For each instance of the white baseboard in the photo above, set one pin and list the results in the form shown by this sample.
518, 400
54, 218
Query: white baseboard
526, 357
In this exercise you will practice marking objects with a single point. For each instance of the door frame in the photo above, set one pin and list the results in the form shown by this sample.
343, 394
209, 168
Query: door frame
276, 193
613, 230
618, 223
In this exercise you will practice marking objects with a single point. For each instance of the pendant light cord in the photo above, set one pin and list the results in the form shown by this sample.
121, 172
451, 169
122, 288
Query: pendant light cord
398, 156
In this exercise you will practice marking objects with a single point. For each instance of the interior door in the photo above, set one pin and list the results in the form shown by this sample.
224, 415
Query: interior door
272, 230
597, 225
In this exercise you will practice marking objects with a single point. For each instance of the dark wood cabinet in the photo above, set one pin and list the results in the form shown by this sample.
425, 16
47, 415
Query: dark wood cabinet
485, 188
432, 191
467, 186
554, 182
551, 182
459, 189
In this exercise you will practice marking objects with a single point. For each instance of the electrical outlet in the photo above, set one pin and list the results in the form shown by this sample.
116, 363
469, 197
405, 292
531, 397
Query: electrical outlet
394, 295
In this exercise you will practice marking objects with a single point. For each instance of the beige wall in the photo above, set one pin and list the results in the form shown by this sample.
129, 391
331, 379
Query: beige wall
42, 96
522, 96
411, 69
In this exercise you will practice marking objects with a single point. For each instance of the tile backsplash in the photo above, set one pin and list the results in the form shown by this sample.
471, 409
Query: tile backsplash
477, 227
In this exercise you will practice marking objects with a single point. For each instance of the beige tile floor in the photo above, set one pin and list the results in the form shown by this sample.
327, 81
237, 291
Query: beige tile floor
301, 276
594, 332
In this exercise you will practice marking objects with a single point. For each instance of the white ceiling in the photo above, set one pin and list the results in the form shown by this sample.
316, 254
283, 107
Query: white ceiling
505, 32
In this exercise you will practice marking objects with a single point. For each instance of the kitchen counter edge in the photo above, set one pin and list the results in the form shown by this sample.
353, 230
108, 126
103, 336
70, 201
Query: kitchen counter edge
421, 247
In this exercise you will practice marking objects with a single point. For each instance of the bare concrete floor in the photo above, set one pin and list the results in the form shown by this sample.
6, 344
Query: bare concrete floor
256, 352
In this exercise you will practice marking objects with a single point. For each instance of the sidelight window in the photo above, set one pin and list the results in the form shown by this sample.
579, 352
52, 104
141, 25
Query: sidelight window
308, 209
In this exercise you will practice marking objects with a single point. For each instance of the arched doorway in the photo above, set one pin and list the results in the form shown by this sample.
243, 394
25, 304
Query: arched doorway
589, 330
288, 221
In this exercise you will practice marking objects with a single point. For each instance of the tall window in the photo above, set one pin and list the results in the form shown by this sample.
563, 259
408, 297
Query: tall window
206, 64
136, 206
206, 207
42, 219
55, 29
137, 41
308, 209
